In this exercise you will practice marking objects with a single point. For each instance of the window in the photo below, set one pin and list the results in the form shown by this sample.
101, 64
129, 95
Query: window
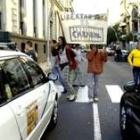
35, 18
44, 17
23, 47
44, 48
16, 76
36, 47
0, 21
35, 72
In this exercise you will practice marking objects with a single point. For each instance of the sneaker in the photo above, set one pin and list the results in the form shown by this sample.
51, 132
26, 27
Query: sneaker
82, 85
63, 92
96, 99
68, 97
90, 100
72, 98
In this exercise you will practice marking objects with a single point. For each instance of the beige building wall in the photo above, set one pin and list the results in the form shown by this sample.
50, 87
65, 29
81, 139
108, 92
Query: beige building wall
46, 18
29, 18
40, 19
12, 16
11, 22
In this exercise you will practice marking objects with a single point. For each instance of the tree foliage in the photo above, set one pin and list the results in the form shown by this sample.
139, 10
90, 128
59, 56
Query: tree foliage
112, 33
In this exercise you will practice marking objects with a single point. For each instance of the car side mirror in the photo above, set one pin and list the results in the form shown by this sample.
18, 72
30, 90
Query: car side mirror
52, 76
129, 86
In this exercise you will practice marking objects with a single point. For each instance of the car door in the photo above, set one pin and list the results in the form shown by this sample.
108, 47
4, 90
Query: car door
42, 87
26, 100
8, 125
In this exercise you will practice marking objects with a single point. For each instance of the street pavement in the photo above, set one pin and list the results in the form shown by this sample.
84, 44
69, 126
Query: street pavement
84, 120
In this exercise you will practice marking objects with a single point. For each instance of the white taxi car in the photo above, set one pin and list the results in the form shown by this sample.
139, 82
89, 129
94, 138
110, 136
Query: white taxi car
28, 98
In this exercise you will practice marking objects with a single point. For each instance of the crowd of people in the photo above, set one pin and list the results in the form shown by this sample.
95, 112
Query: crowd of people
66, 62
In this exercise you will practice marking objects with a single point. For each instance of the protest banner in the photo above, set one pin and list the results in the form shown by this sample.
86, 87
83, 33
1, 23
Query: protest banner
84, 28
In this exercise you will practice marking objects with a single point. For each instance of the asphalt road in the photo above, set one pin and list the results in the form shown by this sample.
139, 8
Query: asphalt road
82, 120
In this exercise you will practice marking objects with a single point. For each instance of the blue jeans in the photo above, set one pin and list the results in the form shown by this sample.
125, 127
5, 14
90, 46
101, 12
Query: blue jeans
93, 85
61, 78
136, 74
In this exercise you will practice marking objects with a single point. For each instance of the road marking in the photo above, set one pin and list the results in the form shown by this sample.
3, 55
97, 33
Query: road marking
115, 93
82, 95
96, 122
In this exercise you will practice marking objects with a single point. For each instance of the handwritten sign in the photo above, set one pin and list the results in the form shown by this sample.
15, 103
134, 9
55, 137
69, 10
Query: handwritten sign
84, 28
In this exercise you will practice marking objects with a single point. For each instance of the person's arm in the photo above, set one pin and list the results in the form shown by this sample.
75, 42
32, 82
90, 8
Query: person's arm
103, 55
89, 55
130, 59
56, 61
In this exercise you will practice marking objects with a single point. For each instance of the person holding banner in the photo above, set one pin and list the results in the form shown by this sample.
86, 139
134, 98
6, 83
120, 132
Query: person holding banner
67, 65
96, 59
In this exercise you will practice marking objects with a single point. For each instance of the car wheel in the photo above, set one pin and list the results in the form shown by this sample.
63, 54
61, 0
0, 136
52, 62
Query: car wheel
54, 117
124, 126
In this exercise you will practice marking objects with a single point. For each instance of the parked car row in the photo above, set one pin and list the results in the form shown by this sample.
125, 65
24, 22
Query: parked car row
28, 97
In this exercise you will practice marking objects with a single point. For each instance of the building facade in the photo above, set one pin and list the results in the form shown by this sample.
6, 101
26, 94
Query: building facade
130, 21
34, 20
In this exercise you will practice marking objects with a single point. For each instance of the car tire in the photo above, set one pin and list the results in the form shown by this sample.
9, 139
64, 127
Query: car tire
54, 117
124, 126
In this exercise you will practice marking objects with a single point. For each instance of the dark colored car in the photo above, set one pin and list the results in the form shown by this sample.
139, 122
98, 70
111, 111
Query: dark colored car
123, 56
130, 112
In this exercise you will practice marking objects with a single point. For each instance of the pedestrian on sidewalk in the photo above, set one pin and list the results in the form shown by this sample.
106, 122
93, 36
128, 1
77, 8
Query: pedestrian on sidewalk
118, 51
96, 59
134, 61
67, 64
78, 77
29, 50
